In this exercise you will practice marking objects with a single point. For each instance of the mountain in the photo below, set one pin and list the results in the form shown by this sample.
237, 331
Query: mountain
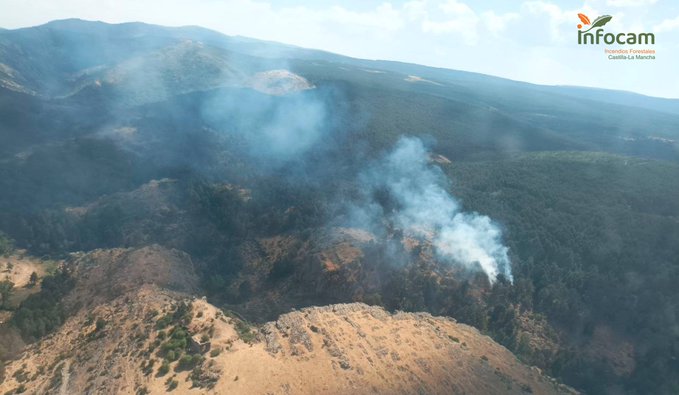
154, 166
495, 115
129, 330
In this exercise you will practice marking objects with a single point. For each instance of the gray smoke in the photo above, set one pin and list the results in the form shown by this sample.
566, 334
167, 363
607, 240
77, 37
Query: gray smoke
422, 206
274, 128
275, 116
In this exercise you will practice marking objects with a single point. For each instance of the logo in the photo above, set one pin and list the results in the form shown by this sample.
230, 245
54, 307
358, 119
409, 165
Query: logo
585, 37
598, 22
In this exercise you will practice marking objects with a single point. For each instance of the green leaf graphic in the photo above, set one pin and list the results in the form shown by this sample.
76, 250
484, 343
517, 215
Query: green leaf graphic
599, 22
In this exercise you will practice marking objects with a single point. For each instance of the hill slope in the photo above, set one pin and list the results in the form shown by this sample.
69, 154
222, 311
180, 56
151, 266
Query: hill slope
134, 63
130, 328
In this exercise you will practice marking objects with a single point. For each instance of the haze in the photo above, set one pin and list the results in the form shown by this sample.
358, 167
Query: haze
533, 41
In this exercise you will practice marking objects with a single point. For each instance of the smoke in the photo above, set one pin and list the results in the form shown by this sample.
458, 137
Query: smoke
241, 118
274, 130
408, 191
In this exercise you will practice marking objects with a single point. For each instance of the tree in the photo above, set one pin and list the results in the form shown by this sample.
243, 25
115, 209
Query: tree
6, 245
41, 312
6, 289
33, 280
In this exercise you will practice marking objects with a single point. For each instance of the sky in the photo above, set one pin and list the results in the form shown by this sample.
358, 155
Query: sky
532, 40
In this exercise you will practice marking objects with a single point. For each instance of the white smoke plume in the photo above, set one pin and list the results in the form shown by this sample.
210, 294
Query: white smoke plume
422, 206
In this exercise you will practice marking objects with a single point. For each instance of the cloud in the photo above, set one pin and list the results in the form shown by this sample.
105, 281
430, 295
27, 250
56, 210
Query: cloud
458, 18
548, 15
667, 25
546, 23
383, 17
630, 3
498, 23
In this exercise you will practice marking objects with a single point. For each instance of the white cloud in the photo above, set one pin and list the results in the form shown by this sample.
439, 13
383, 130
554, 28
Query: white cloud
454, 7
415, 10
667, 25
498, 23
549, 14
384, 17
556, 24
630, 3
459, 19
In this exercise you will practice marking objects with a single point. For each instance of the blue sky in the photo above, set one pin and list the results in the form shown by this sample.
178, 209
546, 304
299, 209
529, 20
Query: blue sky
532, 40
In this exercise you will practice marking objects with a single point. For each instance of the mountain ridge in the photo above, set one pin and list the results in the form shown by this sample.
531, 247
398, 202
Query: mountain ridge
116, 343
317, 54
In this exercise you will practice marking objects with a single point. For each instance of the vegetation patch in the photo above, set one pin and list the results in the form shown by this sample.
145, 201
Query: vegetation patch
188, 362
244, 329
171, 384
6, 245
41, 313
164, 368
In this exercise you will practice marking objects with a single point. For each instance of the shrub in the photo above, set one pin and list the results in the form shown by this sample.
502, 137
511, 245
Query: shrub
187, 362
171, 355
182, 314
173, 344
20, 375
101, 323
245, 331
164, 368
153, 345
147, 368
172, 384
164, 321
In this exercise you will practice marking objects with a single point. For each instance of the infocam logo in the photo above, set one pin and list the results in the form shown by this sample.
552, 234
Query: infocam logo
585, 37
